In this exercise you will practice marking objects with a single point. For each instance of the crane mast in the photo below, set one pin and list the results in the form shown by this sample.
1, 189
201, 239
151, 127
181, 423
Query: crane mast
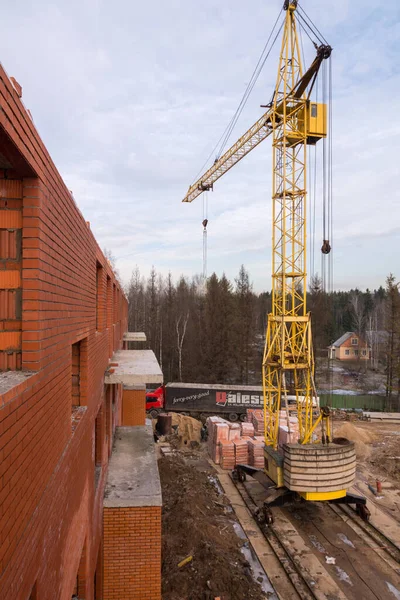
288, 356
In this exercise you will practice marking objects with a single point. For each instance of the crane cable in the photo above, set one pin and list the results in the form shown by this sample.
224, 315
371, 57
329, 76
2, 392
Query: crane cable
205, 223
221, 143
327, 184
313, 28
250, 87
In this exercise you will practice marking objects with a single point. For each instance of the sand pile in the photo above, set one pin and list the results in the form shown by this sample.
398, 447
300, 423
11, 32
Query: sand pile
188, 429
362, 439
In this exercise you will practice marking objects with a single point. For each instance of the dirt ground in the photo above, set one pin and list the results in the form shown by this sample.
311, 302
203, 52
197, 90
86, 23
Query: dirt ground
197, 522
377, 447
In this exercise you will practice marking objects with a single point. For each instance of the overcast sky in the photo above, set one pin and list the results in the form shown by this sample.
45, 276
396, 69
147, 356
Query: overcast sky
130, 97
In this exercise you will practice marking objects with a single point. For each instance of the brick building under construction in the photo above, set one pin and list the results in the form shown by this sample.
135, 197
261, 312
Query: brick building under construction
80, 500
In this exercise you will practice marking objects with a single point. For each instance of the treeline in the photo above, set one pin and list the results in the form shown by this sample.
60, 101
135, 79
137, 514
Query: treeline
214, 332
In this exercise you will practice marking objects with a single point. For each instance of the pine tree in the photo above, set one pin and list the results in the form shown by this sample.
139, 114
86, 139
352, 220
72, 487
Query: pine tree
244, 326
393, 344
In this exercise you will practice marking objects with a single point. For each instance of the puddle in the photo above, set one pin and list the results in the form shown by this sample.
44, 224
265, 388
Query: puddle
343, 575
216, 483
239, 530
346, 540
393, 590
317, 544
255, 565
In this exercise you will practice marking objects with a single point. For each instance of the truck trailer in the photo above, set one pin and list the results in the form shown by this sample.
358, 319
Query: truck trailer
201, 400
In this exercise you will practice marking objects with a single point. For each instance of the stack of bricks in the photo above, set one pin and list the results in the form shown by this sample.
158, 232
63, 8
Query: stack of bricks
218, 430
241, 452
227, 454
227, 444
256, 453
288, 434
257, 417
247, 430
234, 431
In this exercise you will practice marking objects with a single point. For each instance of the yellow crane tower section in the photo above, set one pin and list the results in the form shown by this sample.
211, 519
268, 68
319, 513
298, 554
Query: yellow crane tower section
294, 122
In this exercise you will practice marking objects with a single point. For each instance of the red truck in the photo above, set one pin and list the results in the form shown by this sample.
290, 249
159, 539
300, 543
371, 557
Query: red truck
201, 400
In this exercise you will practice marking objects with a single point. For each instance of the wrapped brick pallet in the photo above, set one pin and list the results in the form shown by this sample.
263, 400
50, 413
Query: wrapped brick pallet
241, 452
227, 454
256, 454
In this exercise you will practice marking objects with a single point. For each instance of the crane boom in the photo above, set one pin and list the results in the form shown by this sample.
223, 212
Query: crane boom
255, 135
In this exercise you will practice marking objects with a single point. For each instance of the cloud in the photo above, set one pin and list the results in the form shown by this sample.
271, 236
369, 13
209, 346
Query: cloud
131, 97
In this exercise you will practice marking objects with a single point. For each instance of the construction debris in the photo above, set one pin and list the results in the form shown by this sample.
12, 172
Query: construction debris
198, 522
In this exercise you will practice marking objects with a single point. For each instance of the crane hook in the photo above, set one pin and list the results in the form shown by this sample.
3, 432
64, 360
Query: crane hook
326, 247
204, 223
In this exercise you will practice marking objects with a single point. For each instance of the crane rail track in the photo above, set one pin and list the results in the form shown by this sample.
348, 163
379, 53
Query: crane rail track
302, 579
379, 539
293, 569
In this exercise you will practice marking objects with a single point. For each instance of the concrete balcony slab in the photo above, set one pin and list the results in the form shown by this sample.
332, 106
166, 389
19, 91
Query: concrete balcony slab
134, 367
133, 478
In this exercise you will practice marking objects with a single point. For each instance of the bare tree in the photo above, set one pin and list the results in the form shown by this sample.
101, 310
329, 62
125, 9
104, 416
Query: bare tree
113, 263
180, 339
358, 312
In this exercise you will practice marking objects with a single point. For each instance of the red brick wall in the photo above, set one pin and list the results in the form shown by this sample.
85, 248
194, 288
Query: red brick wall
132, 545
133, 407
10, 273
50, 505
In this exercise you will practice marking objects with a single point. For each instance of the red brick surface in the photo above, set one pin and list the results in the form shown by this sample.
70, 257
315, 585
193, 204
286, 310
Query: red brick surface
133, 407
50, 499
132, 553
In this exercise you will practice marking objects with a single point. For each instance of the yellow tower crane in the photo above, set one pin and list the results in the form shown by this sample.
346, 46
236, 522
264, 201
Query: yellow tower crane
315, 468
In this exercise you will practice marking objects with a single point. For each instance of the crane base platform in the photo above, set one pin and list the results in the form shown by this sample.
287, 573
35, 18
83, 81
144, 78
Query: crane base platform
279, 496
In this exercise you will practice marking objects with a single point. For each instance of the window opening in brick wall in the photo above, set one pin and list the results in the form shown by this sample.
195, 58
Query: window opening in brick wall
79, 592
75, 592
99, 297
109, 418
76, 374
347, 352
33, 595
114, 303
98, 443
109, 303
354, 341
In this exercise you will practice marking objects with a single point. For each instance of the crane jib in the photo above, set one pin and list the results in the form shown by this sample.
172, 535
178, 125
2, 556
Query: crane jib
257, 133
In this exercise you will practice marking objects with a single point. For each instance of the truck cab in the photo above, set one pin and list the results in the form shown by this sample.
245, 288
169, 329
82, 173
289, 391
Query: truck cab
155, 401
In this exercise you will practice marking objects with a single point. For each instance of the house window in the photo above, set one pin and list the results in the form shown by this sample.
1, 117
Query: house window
354, 341
356, 352
364, 352
347, 352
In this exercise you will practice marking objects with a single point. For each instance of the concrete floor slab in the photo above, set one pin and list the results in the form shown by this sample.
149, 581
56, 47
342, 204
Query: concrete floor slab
135, 367
134, 336
133, 478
